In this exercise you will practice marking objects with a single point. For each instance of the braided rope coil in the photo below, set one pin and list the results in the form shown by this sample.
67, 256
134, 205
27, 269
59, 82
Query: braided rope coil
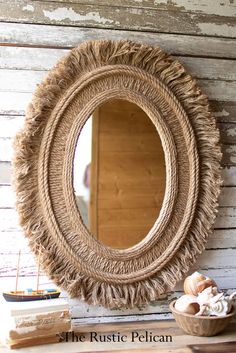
88, 76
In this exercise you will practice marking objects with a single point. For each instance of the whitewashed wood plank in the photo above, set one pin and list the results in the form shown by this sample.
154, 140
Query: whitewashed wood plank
13, 123
5, 172
20, 58
227, 133
229, 176
118, 18
99, 324
67, 37
8, 264
7, 197
212, 7
10, 125
83, 324
8, 283
228, 159
209, 68
20, 80
9, 240
80, 309
25, 81
224, 278
224, 112
228, 197
209, 259
9, 220
220, 239
229, 155
14, 103
218, 90
226, 218
6, 149
221, 258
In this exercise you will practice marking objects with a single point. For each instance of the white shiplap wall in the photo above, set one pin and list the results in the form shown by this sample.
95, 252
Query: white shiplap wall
35, 34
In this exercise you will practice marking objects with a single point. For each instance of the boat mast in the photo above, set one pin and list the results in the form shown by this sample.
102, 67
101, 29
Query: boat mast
17, 270
38, 270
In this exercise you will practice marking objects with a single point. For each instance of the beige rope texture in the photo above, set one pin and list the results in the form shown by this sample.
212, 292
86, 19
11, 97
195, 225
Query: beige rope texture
87, 77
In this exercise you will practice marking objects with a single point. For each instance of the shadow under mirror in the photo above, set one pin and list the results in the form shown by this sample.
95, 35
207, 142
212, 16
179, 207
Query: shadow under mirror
119, 174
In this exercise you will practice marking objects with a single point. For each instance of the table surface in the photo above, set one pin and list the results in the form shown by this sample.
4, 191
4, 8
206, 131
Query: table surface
179, 344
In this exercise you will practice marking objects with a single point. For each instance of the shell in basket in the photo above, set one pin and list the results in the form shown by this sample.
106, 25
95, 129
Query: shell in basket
203, 310
201, 325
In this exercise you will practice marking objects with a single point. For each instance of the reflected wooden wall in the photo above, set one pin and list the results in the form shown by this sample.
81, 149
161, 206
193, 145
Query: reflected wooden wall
127, 174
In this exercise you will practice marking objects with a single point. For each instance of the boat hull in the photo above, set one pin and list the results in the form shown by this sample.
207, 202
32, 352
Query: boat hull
10, 297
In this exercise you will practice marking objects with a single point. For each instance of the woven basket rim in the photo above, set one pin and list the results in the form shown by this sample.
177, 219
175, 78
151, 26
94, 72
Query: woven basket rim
174, 310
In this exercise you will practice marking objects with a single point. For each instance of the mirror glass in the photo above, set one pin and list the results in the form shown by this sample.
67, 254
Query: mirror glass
119, 174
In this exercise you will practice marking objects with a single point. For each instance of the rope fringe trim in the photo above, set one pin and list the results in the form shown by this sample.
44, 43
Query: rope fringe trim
83, 59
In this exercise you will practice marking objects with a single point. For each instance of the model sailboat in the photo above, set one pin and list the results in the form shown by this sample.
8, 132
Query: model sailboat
29, 294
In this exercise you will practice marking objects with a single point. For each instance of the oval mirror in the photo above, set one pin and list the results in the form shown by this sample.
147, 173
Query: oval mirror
119, 164
119, 174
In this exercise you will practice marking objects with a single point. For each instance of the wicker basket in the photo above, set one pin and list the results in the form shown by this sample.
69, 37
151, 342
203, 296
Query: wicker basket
201, 325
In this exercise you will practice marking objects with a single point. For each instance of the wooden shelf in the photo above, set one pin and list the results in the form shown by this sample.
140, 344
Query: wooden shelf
179, 344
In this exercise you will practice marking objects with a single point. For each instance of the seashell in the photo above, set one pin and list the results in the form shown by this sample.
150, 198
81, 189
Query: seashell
230, 299
232, 296
219, 308
213, 303
207, 295
217, 297
205, 284
202, 297
187, 304
202, 310
191, 282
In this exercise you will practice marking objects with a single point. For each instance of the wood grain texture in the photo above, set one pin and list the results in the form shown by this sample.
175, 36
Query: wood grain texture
30, 35
5, 175
25, 81
127, 173
224, 112
227, 347
228, 159
149, 322
223, 257
115, 17
42, 59
221, 248
220, 239
222, 7
97, 313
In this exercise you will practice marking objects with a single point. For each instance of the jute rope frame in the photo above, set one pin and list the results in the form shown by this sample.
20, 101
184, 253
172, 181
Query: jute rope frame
87, 77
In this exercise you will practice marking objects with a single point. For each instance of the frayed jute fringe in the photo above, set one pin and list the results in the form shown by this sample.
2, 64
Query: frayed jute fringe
87, 77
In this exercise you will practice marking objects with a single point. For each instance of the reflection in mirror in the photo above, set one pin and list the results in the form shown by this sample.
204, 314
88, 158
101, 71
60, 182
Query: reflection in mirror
119, 174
